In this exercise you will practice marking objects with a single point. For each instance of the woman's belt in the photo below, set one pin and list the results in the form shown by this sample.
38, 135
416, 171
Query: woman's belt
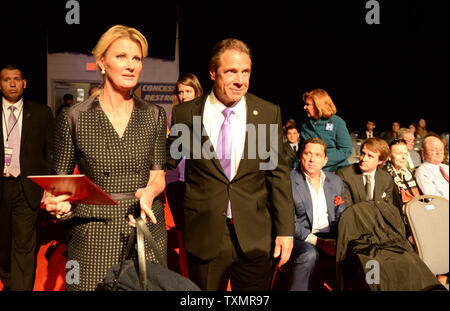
122, 196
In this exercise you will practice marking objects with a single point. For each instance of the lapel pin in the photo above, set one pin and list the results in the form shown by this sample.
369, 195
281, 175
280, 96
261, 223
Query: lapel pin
255, 112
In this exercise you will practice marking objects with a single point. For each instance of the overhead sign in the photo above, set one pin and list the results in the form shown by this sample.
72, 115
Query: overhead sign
158, 93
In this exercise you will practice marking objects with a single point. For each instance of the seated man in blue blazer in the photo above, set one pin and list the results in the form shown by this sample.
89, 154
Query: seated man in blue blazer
318, 204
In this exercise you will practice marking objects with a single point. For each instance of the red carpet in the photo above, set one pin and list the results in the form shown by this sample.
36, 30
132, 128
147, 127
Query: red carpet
50, 267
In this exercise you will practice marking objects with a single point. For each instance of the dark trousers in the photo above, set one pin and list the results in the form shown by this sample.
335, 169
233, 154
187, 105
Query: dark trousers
306, 261
17, 237
231, 263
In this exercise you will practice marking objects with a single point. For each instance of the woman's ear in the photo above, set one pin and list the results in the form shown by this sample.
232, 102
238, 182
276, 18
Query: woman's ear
101, 65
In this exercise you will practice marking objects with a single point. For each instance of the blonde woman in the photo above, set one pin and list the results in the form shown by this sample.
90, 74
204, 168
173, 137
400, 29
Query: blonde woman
325, 124
118, 141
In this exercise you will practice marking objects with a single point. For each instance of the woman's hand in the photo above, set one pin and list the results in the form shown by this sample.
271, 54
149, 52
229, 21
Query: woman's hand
146, 197
155, 185
57, 205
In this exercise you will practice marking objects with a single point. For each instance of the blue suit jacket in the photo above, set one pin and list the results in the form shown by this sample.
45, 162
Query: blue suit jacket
333, 187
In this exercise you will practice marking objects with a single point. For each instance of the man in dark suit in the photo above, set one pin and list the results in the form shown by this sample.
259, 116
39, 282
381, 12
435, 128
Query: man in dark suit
292, 147
238, 203
68, 101
318, 202
27, 144
366, 180
389, 136
370, 131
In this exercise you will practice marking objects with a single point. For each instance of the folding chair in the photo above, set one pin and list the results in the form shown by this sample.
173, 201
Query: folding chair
428, 218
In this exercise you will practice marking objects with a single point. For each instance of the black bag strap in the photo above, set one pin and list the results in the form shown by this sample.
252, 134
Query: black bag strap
142, 231
124, 257
141, 254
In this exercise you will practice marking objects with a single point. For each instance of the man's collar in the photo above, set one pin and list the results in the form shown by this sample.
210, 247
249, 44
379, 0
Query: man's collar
432, 164
6, 103
370, 173
239, 108
322, 175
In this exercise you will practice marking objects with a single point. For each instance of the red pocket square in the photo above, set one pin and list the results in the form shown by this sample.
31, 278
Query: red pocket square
338, 200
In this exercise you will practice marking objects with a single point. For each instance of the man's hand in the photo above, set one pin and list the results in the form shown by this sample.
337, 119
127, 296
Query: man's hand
283, 246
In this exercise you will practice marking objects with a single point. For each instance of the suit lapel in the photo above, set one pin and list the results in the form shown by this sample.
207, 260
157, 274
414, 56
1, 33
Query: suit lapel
198, 111
252, 118
329, 197
359, 181
301, 186
290, 152
26, 123
378, 191
3, 137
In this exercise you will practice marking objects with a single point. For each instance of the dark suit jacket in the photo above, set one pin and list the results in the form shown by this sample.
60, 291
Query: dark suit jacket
388, 136
354, 185
363, 134
259, 198
35, 148
290, 154
333, 187
372, 230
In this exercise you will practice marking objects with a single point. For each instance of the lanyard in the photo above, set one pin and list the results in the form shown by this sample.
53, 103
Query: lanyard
6, 124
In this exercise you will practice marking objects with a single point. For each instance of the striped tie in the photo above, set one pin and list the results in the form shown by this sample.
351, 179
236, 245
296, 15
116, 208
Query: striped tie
13, 141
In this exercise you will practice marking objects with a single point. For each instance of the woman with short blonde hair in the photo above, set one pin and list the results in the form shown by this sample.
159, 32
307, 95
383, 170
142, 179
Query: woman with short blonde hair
105, 41
118, 141
114, 33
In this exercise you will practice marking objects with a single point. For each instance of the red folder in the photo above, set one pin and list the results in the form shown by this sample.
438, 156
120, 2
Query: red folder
80, 187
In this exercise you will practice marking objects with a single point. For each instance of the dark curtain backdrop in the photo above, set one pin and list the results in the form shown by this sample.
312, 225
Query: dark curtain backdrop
397, 70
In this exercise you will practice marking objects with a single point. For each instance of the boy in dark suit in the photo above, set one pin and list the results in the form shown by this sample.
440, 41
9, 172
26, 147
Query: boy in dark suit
292, 147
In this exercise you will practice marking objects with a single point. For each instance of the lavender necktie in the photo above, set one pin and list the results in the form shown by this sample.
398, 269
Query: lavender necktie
224, 147
14, 143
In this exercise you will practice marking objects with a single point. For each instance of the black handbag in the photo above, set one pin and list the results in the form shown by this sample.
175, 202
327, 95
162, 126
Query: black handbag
143, 275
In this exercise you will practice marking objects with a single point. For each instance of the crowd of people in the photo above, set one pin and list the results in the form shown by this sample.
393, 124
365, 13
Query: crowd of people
400, 164
243, 212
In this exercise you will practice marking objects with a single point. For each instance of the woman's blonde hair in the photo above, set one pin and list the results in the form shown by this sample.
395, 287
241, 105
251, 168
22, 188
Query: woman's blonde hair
322, 101
111, 35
